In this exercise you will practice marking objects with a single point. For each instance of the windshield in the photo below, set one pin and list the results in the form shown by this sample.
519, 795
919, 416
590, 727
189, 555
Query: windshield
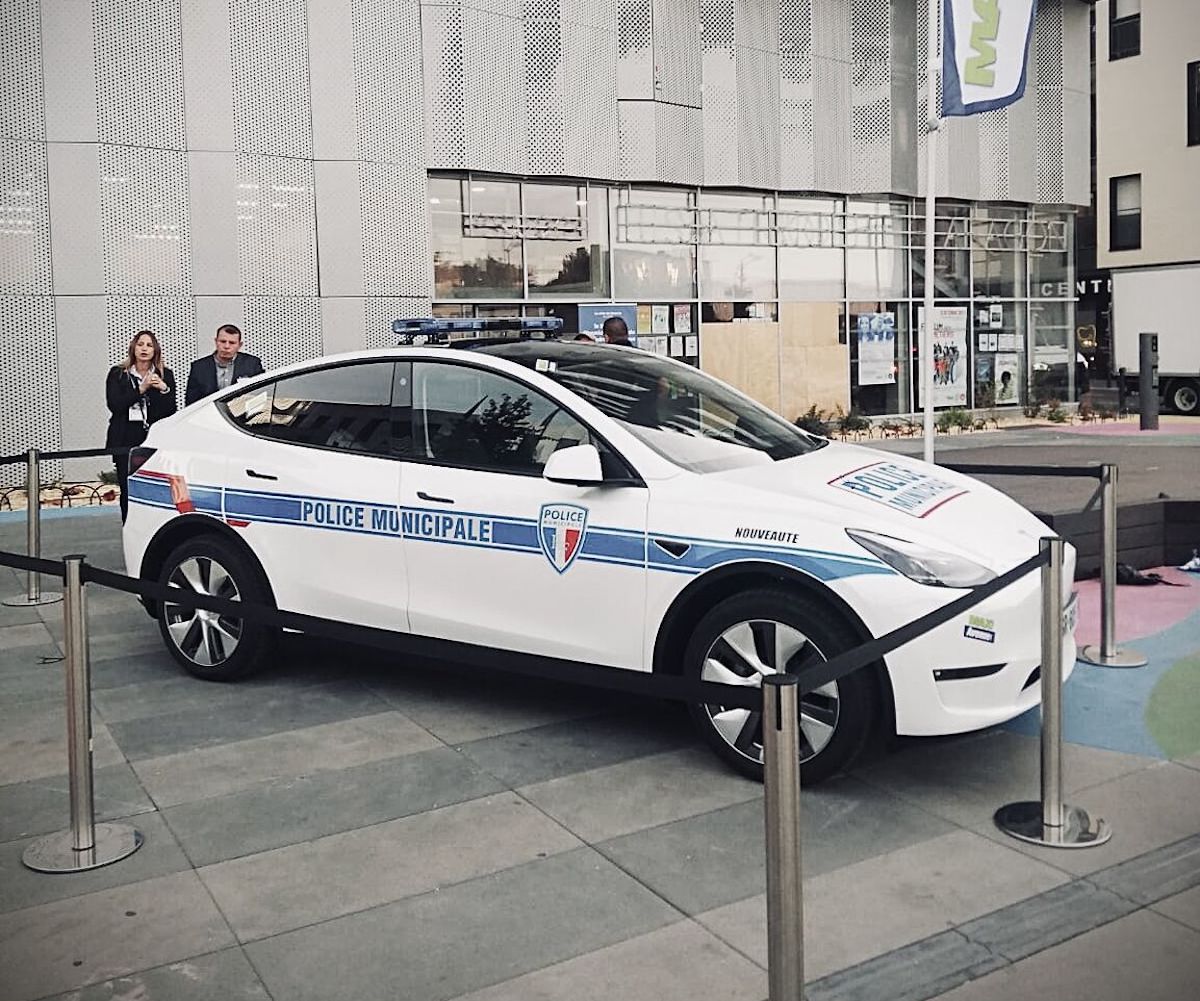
678, 411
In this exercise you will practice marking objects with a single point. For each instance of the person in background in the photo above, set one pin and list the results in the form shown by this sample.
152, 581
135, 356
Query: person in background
225, 366
139, 391
586, 338
616, 331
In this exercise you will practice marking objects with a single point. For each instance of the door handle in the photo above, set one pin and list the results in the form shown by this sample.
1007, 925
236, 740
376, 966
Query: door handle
436, 500
260, 476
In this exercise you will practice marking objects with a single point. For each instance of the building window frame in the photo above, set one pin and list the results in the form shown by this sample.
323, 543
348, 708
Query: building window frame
1124, 225
1124, 29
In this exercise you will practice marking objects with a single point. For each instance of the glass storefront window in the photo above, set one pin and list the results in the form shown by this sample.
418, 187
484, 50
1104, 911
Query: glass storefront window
998, 343
566, 240
654, 253
737, 274
876, 258
1052, 326
997, 252
653, 271
467, 266
951, 251
1051, 268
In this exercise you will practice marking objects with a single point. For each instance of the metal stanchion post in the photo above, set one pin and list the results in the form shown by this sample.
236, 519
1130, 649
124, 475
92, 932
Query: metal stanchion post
1051, 822
33, 537
87, 845
781, 795
1107, 654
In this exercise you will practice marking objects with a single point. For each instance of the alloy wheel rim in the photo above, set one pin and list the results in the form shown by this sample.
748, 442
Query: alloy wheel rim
203, 637
742, 655
1186, 399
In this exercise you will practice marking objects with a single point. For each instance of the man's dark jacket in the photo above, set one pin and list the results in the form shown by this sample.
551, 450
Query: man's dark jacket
202, 379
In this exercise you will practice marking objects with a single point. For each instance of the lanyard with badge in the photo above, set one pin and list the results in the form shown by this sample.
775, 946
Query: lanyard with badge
137, 412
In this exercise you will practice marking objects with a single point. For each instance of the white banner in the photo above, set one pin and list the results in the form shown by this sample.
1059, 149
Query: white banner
984, 48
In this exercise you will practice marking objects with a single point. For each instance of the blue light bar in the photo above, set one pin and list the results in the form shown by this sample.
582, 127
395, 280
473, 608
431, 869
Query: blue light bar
436, 330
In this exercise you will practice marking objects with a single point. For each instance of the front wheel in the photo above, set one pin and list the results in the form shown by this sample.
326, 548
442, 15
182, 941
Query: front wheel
211, 645
767, 631
1185, 396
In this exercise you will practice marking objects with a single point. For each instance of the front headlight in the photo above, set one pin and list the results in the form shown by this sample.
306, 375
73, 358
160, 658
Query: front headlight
922, 564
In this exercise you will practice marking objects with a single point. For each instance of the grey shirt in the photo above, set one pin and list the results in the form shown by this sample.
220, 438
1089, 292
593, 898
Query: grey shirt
224, 372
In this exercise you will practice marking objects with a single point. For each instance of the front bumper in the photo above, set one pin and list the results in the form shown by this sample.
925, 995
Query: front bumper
979, 669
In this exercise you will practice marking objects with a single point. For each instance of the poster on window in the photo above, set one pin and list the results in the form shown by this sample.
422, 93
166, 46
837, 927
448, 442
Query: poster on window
876, 348
683, 318
660, 319
1006, 379
948, 361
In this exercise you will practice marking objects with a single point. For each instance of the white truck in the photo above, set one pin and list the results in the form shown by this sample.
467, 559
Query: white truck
1160, 300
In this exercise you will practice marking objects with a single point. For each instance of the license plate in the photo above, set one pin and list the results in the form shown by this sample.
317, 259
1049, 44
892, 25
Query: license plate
1071, 614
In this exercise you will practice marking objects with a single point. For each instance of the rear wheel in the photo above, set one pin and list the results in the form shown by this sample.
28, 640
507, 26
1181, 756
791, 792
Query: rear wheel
767, 631
211, 645
1185, 396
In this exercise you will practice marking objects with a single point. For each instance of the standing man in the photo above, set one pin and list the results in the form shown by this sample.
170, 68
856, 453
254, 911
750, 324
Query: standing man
225, 366
616, 331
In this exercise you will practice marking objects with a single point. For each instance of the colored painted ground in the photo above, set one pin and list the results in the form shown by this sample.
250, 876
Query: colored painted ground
1152, 710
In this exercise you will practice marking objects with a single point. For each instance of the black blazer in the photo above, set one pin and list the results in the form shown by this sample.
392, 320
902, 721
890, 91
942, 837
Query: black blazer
120, 394
202, 379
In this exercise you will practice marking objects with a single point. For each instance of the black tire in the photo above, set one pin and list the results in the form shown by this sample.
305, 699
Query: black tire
214, 647
836, 720
1185, 396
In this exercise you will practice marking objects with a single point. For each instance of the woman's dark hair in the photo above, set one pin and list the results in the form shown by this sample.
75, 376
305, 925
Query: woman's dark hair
131, 359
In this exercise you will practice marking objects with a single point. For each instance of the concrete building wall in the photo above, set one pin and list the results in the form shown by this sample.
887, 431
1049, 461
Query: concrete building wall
1141, 128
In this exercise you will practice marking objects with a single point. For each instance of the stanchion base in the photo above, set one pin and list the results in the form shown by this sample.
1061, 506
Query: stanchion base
1119, 658
56, 852
24, 601
1079, 830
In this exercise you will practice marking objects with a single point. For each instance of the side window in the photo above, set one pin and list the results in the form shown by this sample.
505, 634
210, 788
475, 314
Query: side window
470, 417
346, 408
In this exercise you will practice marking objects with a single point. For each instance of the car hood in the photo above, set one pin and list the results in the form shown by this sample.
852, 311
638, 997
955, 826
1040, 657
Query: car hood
848, 486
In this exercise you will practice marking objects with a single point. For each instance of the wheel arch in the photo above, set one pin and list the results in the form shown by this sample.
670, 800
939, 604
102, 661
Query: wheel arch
192, 526
703, 593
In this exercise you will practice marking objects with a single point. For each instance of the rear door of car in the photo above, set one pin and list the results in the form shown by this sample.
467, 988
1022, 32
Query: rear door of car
499, 556
313, 487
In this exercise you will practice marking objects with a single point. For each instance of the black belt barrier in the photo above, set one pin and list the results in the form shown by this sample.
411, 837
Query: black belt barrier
547, 668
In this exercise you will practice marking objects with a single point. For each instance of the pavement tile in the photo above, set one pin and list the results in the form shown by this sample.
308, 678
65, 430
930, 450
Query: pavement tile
25, 669
1153, 807
1161, 873
966, 779
680, 962
32, 634
705, 862
107, 934
607, 802
34, 745
126, 621
547, 752
289, 811
1143, 956
177, 693
291, 887
511, 922
1031, 925
219, 976
1183, 907
131, 669
15, 615
919, 971
461, 709
257, 713
872, 907
230, 768
21, 887
41, 806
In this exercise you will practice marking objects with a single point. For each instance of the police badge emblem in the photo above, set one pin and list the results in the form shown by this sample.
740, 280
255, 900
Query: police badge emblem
561, 530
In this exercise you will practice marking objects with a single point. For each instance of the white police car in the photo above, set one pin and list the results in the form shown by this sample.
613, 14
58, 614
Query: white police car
594, 504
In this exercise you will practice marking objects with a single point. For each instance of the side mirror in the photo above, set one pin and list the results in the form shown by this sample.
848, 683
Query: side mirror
578, 465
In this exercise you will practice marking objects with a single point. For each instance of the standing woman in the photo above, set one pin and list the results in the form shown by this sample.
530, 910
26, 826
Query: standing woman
138, 392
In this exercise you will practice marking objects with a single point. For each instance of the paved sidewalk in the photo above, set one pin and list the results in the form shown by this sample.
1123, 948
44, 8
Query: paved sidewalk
345, 827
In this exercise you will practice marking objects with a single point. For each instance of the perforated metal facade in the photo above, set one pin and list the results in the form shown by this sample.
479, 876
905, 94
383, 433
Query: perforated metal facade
173, 164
